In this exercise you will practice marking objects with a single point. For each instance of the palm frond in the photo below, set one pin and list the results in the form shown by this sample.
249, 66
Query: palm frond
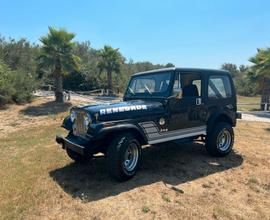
58, 47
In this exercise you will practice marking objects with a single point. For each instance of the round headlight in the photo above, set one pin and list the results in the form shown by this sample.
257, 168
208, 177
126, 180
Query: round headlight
72, 116
87, 120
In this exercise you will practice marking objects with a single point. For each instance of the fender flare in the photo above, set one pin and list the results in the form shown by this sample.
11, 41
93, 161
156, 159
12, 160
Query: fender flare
122, 127
220, 115
67, 124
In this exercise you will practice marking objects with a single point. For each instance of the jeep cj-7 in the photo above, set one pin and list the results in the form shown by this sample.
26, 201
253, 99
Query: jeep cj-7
158, 106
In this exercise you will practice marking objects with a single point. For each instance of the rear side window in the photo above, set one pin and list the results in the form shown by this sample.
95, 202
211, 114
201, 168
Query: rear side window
219, 87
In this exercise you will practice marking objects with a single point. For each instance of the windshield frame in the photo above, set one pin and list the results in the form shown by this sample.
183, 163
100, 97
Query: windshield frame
148, 95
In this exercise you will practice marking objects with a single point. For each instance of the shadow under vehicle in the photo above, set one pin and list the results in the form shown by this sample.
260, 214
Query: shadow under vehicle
171, 164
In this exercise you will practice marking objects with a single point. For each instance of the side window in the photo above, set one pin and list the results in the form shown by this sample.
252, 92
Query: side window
191, 85
187, 85
198, 84
219, 87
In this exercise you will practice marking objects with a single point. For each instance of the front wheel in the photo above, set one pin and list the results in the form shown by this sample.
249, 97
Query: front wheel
124, 157
220, 141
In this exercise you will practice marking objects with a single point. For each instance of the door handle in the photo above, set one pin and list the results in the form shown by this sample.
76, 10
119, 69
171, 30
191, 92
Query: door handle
199, 101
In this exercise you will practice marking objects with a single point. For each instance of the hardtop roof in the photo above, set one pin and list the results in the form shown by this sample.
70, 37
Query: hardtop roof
182, 69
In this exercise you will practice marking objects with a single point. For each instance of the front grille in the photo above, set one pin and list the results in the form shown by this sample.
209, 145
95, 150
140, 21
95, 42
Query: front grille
79, 128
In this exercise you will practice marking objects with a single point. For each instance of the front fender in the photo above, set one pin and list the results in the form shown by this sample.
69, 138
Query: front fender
99, 131
67, 124
121, 127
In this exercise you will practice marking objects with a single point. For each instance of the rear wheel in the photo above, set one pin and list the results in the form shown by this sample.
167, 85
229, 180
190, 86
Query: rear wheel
76, 157
124, 157
219, 142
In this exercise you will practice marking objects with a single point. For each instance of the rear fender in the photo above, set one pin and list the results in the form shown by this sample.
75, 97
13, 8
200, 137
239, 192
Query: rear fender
220, 116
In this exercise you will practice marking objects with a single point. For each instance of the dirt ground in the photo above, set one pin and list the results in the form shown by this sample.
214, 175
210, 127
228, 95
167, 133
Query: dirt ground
16, 117
38, 181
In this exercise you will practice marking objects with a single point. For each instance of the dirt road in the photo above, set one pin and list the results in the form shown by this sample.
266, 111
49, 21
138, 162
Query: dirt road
256, 116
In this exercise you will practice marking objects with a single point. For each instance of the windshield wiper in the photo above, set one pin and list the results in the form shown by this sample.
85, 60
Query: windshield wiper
147, 89
131, 91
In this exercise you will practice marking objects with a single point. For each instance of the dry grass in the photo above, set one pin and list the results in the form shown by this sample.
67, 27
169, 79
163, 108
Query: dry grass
38, 181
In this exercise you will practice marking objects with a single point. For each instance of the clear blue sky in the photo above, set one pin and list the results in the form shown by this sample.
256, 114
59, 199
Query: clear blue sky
186, 33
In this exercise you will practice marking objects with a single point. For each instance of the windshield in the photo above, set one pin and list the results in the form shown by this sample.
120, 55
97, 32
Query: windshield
155, 84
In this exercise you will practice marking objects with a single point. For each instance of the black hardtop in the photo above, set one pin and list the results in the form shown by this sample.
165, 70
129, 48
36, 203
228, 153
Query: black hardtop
182, 69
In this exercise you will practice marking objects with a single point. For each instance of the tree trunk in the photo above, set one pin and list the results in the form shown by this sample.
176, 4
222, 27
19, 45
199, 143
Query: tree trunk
109, 76
265, 94
58, 85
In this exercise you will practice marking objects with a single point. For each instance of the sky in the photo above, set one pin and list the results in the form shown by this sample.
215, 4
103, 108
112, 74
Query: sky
191, 33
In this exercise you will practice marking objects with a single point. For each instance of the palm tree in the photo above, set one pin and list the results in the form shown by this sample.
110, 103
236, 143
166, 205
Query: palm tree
110, 61
57, 55
261, 70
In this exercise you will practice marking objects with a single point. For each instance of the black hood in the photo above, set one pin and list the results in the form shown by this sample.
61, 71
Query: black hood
123, 110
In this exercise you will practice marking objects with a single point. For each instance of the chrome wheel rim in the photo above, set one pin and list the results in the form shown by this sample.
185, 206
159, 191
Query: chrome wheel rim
131, 157
224, 140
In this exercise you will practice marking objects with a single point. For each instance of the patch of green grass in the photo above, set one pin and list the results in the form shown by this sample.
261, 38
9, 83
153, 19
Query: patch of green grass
245, 103
53, 116
179, 202
145, 209
248, 99
165, 197
26, 156
245, 108
253, 180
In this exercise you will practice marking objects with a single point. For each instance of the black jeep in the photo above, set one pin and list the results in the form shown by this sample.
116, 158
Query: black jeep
158, 106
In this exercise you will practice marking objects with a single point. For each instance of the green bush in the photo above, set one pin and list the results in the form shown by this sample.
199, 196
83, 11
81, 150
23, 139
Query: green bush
5, 90
15, 86
24, 86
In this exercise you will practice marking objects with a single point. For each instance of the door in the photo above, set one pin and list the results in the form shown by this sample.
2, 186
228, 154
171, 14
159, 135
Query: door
187, 111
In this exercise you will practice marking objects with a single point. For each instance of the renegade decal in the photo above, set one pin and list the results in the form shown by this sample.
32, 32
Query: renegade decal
121, 109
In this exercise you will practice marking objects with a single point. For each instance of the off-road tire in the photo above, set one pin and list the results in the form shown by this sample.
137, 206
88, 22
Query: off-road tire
77, 158
212, 140
116, 156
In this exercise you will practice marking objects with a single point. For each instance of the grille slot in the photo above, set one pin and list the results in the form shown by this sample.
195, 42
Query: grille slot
80, 129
